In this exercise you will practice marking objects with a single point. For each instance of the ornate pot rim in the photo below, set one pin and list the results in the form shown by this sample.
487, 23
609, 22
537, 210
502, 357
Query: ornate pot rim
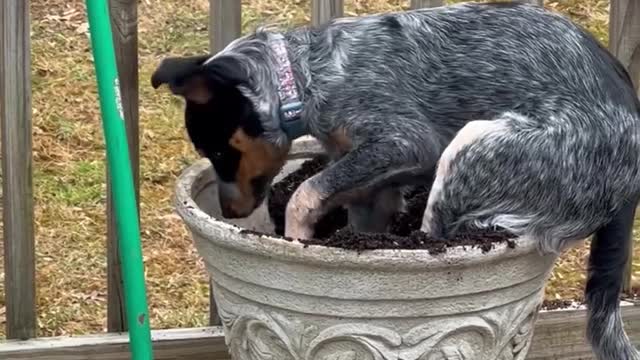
222, 233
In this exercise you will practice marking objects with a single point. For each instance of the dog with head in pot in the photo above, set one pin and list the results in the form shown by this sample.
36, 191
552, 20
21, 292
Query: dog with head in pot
518, 119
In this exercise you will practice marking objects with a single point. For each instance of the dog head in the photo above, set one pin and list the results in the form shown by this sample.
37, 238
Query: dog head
225, 127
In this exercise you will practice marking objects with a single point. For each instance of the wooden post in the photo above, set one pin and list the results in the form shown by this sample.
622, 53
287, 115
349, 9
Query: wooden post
624, 43
325, 10
225, 25
15, 105
534, 2
417, 4
124, 15
624, 36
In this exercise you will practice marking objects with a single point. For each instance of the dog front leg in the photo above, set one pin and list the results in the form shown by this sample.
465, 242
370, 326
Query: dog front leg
304, 209
362, 173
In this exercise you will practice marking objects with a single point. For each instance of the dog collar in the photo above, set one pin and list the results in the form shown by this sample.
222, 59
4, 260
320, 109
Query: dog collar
290, 104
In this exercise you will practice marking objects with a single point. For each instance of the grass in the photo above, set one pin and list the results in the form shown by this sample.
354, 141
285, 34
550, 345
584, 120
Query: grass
69, 161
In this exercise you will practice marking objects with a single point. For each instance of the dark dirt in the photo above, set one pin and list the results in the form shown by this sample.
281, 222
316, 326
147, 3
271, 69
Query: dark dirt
282, 191
556, 304
404, 232
633, 295
416, 240
559, 304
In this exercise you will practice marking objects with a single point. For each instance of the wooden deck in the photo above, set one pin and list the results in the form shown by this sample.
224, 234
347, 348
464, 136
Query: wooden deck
558, 335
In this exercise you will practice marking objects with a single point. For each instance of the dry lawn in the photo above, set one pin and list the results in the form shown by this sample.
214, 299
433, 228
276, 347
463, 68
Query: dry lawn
70, 168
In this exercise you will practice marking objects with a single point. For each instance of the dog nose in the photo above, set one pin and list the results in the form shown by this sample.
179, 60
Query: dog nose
228, 194
228, 211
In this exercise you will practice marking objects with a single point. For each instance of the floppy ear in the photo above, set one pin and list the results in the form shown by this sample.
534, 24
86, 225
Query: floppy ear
191, 78
227, 71
185, 76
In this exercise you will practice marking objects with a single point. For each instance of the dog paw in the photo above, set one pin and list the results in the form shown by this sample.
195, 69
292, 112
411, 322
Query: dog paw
298, 232
302, 213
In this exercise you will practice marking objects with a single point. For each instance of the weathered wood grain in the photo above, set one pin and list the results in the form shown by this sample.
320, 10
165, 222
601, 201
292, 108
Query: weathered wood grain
17, 186
124, 24
561, 334
325, 10
225, 23
175, 344
535, 2
557, 335
624, 36
417, 4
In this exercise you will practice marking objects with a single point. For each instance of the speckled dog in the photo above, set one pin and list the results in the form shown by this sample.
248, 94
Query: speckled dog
521, 120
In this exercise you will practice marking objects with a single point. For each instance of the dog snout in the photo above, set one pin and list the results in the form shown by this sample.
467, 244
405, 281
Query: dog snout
228, 211
234, 209
233, 204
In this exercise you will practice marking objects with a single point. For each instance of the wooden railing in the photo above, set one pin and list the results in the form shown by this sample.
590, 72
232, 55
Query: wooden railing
17, 186
15, 105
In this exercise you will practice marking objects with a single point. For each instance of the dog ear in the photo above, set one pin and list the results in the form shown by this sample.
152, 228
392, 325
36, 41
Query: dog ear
185, 76
227, 71
191, 78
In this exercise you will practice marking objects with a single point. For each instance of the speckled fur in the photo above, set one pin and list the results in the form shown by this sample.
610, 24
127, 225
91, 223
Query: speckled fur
559, 162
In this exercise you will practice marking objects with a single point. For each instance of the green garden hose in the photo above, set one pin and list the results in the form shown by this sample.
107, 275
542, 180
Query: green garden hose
122, 180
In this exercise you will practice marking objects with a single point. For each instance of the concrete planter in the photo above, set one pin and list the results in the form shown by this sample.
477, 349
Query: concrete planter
279, 300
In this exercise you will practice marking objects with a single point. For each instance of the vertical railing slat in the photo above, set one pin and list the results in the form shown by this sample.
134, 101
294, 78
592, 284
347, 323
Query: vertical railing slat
17, 186
417, 4
225, 25
325, 10
624, 43
624, 36
535, 2
124, 17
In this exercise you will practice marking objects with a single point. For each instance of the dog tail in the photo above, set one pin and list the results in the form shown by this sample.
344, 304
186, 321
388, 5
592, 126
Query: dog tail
609, 252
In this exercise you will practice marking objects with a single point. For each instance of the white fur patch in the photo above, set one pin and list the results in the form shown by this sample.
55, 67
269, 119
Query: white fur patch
471, 132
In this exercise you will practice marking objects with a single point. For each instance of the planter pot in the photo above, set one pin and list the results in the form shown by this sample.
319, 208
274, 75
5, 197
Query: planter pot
281, 300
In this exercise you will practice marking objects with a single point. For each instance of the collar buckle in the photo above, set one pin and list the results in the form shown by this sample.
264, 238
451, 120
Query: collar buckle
291, 121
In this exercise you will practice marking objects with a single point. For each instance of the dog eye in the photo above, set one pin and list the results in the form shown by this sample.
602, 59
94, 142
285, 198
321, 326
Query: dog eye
216, 155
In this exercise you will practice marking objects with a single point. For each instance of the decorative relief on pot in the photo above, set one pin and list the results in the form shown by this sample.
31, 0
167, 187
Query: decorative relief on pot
253, 334
497, 334
462, 338
518, 345
360, 341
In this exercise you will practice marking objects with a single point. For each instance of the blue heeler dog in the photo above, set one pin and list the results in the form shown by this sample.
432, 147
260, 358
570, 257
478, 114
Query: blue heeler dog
518, 118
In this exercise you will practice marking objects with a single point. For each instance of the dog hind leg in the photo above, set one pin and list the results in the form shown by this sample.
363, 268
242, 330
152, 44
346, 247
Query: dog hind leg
531, 178
434, 219
556, 185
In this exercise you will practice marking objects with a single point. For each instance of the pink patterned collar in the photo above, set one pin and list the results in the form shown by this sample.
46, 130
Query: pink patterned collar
290, 103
